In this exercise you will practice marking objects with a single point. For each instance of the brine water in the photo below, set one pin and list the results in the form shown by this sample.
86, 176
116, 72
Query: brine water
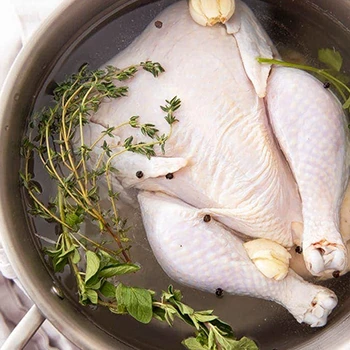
298, 31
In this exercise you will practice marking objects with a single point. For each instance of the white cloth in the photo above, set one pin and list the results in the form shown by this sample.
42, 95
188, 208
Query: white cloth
12, 311
18, 20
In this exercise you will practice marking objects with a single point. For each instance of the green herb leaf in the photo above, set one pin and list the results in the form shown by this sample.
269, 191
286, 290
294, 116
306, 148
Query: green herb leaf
153, 67
193, 344
92, 265
92, 296
205, 318
65, 253
94, 282
108, 289
76, 256
138, 302
119, 310
211, 340
73, 219
176, 293
184, 309
118, 269
59, 264
223, 327
331, 58
245, 344
232, 344
159, 314
172, 294
106, 259
54, 252
170, 312
134, 121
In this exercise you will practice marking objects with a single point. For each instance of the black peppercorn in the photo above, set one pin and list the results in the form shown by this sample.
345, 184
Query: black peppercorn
158, 24
298, 249
169, 176
336, 274
139, 174
327, 85
219, 293
207, 218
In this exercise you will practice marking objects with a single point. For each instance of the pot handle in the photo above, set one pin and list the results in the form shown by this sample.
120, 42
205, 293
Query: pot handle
24, 331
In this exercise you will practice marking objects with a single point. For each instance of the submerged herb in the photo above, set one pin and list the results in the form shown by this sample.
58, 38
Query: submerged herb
331, 58
56, 138
331, 74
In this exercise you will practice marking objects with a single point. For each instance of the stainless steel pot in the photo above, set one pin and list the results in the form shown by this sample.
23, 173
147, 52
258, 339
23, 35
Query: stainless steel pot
61, 41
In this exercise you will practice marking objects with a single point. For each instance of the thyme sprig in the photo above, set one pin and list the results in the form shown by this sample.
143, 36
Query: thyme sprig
56, 139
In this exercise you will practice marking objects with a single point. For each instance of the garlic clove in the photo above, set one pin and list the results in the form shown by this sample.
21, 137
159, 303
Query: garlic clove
269, 257
227, 9
271, 269
210, 8
197, 14
210, 12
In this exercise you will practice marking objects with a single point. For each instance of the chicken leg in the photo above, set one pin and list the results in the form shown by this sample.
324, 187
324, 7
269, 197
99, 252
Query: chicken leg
309, 124
205, 255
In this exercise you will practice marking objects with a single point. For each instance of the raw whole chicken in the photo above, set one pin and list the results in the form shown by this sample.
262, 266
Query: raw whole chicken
258, 153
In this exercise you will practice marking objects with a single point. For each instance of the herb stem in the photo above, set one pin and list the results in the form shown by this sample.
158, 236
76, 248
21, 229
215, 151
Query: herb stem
99, 246
321, 72
109, 305
85, 173
103, 135
61, 207
66, 136
53, 170
47, 211
92, 212
120, 245
36, 200
66, 239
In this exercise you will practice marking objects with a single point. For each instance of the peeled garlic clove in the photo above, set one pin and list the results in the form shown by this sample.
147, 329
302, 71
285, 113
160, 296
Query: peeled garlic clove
269, 257
197, 13
271, 269
210, 12
227, 9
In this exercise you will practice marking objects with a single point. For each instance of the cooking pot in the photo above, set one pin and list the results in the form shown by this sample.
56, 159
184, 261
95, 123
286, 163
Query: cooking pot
93, 31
